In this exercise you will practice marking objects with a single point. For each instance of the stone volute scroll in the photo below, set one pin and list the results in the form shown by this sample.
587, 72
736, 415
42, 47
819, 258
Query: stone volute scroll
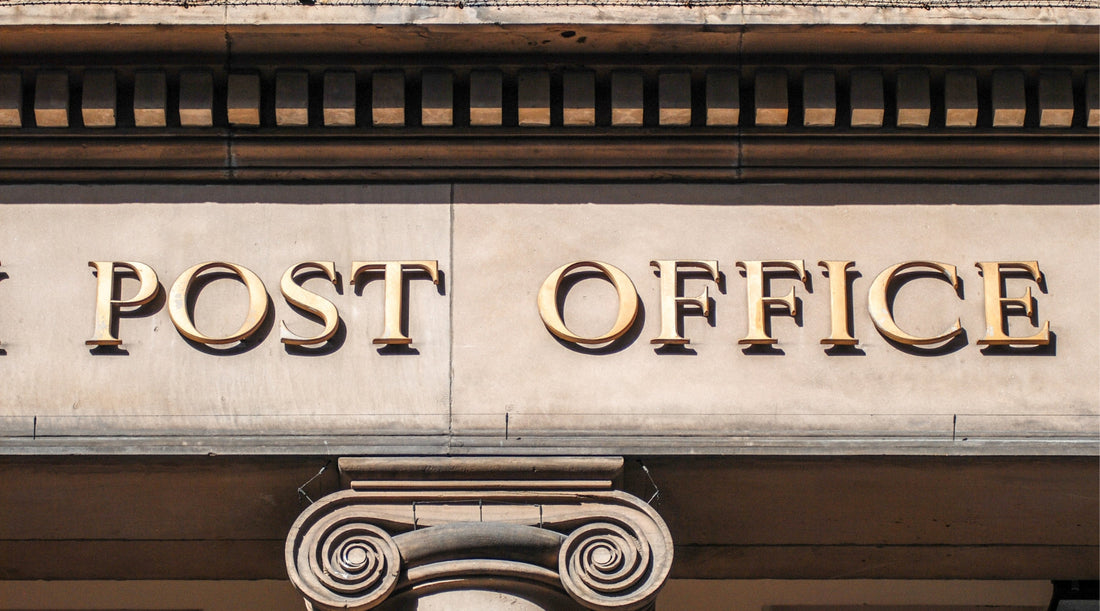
530, 534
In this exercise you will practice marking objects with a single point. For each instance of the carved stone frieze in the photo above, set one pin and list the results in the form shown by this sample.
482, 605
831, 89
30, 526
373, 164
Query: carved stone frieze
600, 549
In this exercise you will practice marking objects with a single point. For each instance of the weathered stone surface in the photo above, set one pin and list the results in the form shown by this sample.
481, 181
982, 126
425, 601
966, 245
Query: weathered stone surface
485, 98
674, 97
388, 98
819, 98
543, 544
1092, 98
913, 97
710, 13
11, 99
70, 389
908, 503
533, 91
196, 99
150, 98
867, 98
960, 93
1055, 98
292, 98
1009, 98
512, 379
51, 99
627, 98
242, 99
578, 98
339, 98
715, 387
485, 599
437, 98
723, 97
99, 98
771, 98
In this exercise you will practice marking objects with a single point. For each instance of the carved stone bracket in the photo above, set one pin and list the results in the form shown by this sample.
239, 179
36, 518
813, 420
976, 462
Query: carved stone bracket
571, 542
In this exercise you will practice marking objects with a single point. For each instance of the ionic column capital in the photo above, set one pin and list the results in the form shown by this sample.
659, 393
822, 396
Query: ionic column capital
569, 539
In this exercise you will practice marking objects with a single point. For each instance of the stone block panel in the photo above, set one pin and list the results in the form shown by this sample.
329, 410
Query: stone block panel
627, 98
11, 99
914, 104
674, 89
515, 379
292, 98
578, 98
243, 99
960, 90
723, 97
150, 98
388, 98
160, 382
818, 98
99, 101
437, 98
51, 98
196, 99
486, 98
1009, 97
771, 96
339, 98
866, 98
533, 90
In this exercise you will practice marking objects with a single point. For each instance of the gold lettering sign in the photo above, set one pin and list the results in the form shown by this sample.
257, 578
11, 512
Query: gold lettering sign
551, 317
296, 295
883, 317
995, 302
181, 289
107, 307
671, 300
759, 304
110, 303
838, 303
393, 274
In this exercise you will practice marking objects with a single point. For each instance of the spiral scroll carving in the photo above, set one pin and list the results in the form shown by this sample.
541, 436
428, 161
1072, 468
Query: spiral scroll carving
342, 562
604, 550
608, 566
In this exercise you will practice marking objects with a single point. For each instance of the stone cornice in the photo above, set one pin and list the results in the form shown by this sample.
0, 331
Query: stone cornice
609, 119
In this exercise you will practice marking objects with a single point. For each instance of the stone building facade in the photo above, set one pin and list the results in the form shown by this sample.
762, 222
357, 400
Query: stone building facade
549, 305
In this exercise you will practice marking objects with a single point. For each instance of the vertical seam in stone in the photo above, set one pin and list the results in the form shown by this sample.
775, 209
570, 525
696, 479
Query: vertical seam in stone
451, 321
230, 168
741, 111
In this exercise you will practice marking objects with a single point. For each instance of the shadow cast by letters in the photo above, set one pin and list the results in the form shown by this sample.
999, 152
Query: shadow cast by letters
612, 347
337, 340
333, 344
845, 351
762, 350
407, 277
954, 344
142, 311
242, 346
1051, 349
3, 276
850, 316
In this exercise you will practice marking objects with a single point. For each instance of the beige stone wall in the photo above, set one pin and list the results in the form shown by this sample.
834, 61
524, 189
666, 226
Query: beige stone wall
483, 372
506, 363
